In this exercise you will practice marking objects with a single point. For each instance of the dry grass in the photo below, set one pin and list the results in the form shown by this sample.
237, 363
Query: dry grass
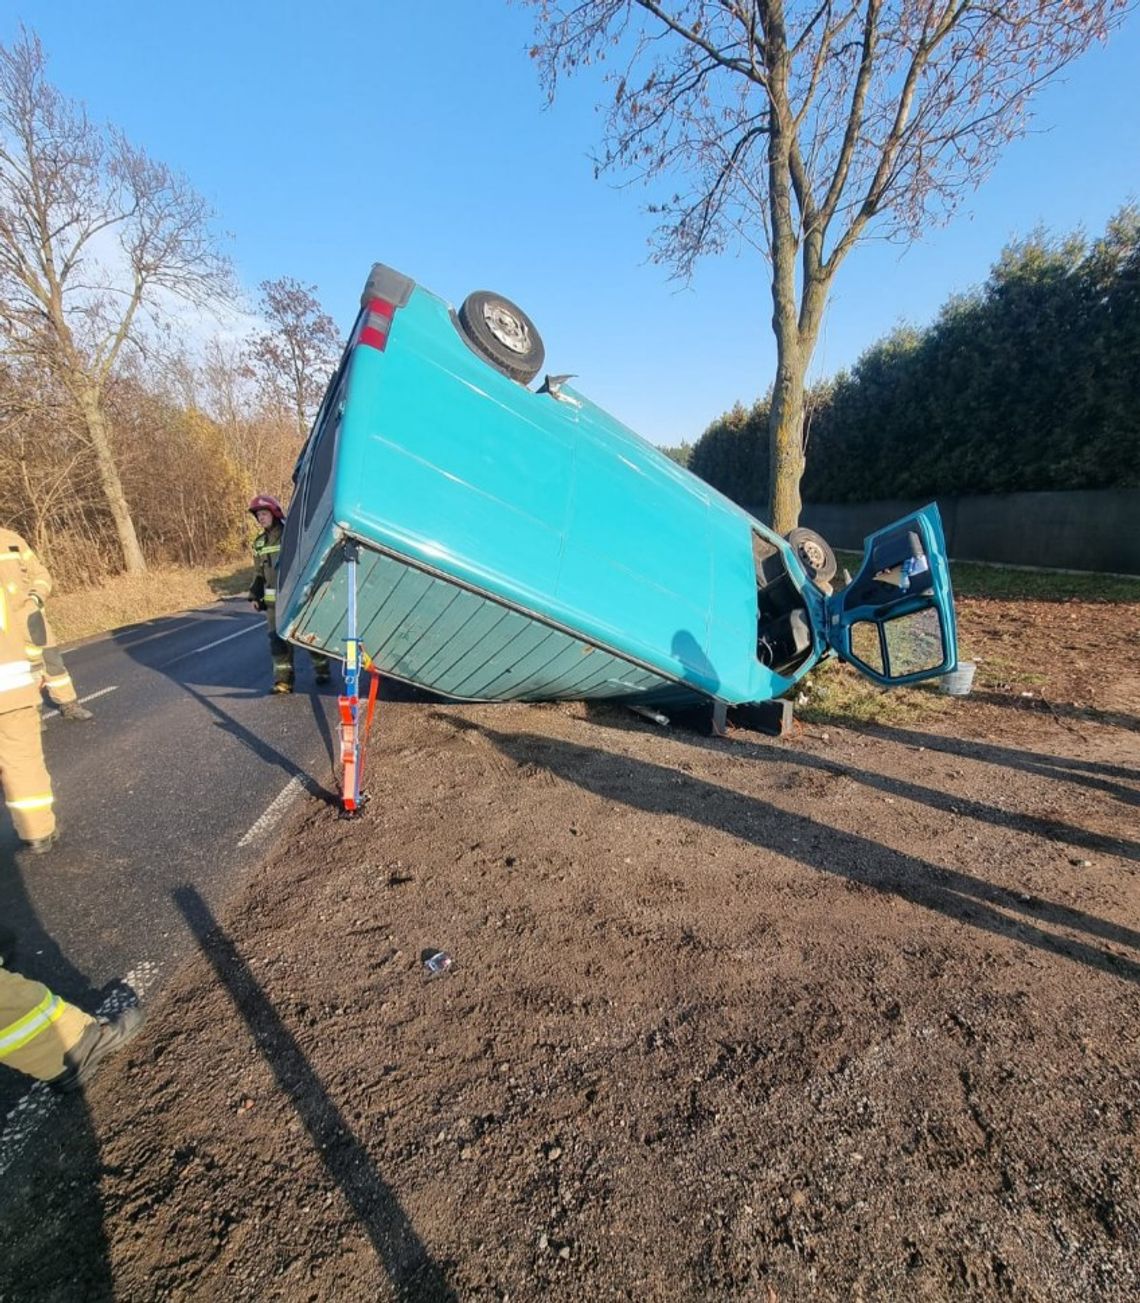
834, 693
128, 599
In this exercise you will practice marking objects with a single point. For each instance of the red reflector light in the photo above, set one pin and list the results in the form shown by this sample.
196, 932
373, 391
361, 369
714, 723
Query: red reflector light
377, 323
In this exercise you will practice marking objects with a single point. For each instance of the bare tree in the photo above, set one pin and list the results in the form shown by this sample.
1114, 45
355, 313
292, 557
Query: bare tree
49, 483
296, 355
37, 481
96, 239
801, 126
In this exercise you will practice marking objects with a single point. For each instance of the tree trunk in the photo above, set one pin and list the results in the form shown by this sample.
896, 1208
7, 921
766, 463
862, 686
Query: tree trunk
785, 420
91, 410
785, 441
796, 333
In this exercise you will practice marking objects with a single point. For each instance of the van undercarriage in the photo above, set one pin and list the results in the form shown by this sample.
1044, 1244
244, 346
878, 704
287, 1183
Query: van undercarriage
783, 625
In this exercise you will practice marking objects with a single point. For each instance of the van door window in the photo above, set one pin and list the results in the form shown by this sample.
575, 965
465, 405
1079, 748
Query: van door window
897, 645
914, 643
321, 463
866, 646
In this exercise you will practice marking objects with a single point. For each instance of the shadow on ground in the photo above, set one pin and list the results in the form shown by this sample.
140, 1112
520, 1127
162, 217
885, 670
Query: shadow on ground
413, 1272
960, 896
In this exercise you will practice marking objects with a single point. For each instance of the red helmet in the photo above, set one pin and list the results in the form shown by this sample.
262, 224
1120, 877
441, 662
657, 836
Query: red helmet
266, 502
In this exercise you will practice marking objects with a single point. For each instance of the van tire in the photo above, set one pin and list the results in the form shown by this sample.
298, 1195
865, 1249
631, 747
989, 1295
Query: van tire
814, 553
501, 332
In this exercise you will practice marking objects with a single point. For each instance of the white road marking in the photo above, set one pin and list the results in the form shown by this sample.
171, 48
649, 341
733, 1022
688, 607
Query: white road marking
129, 646
34, 1108
91, 696
186, 620
197, 651
277, 807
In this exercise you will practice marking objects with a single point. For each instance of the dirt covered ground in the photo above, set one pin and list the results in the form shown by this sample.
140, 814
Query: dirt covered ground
848, 1015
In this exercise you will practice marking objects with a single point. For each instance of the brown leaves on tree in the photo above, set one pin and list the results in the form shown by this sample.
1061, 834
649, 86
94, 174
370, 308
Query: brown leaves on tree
117, 444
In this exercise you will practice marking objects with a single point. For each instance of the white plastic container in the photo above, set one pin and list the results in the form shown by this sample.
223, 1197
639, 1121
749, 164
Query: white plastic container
958, 682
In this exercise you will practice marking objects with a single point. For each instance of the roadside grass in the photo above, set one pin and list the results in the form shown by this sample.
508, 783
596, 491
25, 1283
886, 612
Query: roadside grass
998, 672
1005, 583
130, 599
834, 693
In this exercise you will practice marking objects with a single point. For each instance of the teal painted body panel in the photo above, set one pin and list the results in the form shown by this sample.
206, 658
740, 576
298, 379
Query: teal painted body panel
427, 630
517, 545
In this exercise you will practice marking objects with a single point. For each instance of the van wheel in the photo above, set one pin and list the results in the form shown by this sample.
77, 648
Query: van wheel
814, 553
503, 334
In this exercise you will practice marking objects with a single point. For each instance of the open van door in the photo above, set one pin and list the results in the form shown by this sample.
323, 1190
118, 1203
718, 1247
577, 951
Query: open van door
895, 620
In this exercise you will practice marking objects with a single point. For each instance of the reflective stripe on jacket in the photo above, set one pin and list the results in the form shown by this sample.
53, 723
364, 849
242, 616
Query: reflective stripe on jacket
266, 552
16, 674
24, 583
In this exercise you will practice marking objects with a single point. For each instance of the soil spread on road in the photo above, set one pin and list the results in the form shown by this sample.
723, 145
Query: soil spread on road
852, 1014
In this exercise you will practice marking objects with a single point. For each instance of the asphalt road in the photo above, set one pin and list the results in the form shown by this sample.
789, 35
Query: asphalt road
181, 779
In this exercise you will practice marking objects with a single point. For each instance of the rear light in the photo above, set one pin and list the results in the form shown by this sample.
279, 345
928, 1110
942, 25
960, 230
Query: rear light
378, 315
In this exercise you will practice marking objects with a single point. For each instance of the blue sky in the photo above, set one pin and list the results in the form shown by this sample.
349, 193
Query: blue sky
332, 136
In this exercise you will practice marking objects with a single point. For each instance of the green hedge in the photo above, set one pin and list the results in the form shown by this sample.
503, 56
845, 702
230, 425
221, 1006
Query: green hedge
1031, 382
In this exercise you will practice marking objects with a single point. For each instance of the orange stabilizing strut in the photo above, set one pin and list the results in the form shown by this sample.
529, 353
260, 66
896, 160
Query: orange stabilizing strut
353, 737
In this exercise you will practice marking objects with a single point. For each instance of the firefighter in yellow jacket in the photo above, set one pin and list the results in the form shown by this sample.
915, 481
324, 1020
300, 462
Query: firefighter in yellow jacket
45, 656
44, 1037
24, 584
268, 513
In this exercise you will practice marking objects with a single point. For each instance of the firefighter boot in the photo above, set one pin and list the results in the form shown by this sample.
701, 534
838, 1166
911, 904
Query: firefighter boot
41, 845
103, 1038
282, 666
75, 712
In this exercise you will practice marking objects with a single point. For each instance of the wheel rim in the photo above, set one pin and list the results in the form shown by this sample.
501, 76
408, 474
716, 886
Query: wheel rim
812, 553
507, 328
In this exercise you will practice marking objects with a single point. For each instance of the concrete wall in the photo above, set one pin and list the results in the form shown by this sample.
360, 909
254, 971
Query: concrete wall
1082, 530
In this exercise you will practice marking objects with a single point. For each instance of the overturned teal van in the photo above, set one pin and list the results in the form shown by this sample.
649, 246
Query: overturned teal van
513, 542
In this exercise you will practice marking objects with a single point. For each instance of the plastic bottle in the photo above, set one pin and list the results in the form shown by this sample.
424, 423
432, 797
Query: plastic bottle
437, 964
913, 565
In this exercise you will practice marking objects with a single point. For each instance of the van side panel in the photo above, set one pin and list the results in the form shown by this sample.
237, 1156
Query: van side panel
636, 566
425, 629
470, 482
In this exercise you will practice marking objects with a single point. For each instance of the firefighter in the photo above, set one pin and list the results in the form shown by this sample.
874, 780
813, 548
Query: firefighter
24, 584
44, 654
51, 1040
268, 513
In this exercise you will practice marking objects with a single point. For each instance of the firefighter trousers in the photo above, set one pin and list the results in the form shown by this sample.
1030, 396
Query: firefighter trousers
57, 681
27, 784
282, 654
37, 1029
